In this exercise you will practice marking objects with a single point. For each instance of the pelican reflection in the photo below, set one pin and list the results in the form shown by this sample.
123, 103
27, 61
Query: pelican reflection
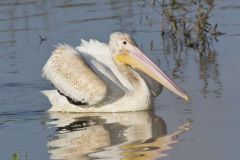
132, 135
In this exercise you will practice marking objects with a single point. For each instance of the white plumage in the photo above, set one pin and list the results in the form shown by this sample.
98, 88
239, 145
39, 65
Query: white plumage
102, 77
121, 96
71, 76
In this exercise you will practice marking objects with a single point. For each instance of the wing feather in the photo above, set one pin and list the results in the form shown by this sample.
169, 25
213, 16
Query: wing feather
73, 77
100, 52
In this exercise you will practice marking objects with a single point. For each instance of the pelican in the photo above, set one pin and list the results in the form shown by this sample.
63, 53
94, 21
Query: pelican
99, 77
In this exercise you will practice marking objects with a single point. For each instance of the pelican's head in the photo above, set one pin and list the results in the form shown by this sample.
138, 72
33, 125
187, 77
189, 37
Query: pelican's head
125, 51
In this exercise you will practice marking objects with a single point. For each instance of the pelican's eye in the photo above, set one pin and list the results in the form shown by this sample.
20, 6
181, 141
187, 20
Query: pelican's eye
124, 42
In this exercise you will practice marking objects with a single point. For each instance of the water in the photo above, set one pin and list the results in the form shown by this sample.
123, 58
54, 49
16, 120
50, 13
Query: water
205, 128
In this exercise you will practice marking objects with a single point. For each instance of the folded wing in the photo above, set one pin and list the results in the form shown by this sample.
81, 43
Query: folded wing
73, 77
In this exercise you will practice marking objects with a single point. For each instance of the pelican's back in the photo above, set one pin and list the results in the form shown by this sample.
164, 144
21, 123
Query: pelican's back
73, 77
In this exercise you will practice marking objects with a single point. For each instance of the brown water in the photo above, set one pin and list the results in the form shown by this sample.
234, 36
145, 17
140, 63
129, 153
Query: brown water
205, 128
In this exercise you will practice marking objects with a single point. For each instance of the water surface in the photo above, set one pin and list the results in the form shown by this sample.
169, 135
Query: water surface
209, 129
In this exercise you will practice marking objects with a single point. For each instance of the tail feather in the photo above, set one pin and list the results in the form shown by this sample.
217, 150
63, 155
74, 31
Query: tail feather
54, 97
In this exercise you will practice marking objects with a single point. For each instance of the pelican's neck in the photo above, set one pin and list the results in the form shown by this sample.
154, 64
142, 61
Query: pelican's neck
140, 93
137, 83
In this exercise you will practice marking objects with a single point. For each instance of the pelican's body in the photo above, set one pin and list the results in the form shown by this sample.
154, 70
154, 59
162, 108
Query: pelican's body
99, 77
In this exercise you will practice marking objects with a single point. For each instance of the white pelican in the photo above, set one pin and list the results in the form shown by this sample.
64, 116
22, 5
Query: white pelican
99, 77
